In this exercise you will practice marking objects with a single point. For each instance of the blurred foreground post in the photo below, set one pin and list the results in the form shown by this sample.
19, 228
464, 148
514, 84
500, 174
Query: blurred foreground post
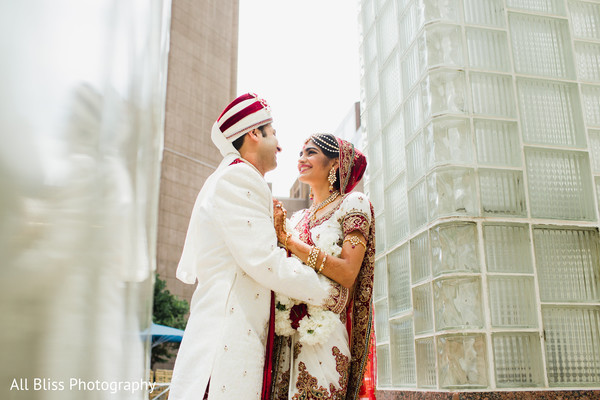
81, 124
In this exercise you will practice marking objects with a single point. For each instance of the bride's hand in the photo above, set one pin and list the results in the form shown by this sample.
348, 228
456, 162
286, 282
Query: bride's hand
279, 217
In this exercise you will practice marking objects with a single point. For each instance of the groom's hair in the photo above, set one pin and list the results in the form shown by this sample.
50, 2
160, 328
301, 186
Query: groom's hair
237, 143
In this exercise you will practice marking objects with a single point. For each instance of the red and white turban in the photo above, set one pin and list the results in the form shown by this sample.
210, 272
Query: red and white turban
245, 113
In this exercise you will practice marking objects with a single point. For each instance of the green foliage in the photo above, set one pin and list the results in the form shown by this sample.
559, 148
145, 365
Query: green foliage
170, 311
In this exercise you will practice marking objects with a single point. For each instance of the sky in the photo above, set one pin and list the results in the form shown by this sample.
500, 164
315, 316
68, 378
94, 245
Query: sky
302, 57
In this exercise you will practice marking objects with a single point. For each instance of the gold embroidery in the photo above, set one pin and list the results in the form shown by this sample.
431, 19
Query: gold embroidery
308, 386
297, 349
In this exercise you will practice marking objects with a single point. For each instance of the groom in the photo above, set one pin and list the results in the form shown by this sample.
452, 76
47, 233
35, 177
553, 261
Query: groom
231, 250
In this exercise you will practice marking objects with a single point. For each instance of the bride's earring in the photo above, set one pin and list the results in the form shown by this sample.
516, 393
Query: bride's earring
311, 195
331, 178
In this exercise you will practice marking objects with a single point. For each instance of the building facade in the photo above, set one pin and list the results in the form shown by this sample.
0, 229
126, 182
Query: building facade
202, 79
483, 135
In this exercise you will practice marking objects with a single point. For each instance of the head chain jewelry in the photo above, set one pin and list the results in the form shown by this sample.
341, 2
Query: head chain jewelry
323, 143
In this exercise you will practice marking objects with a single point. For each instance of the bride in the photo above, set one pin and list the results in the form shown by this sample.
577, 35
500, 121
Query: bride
320, 354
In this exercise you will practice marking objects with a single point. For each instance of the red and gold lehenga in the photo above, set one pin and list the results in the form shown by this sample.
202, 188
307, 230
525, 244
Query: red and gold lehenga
342, 367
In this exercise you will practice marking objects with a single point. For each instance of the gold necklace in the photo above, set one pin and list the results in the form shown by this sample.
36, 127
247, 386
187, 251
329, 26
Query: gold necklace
314, 209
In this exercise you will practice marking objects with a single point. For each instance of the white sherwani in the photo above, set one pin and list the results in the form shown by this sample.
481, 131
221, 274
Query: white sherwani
231, 250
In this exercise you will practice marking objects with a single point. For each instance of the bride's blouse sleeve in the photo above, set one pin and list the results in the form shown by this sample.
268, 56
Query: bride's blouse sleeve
355, 214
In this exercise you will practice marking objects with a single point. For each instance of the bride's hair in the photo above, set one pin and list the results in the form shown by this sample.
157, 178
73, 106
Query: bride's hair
330, 147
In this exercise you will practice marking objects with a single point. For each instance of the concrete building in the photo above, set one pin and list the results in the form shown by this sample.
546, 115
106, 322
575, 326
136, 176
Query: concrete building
482, 120
202, 75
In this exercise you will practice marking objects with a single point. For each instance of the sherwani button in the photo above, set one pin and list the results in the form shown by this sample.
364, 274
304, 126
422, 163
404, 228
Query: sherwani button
223, 389
257, 295
226, 348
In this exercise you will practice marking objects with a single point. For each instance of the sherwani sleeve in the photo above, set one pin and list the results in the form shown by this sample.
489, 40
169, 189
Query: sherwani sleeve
242, 208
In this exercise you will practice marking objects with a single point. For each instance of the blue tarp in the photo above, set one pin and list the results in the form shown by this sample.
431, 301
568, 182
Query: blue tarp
162, 334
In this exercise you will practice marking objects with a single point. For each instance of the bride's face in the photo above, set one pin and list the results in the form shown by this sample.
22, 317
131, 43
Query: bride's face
313, 165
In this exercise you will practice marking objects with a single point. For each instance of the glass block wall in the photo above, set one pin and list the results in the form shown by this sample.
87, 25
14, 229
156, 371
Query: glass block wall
482, 121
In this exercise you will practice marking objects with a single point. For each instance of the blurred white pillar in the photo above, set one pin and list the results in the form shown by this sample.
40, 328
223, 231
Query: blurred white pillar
81, 125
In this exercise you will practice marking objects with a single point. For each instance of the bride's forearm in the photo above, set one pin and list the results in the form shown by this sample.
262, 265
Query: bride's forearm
342, 270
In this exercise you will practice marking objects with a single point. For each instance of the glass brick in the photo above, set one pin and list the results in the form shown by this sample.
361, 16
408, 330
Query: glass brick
376, 193
572, 345
485, 12
399, 281
451, 191
502, 192
371, 81
556, 7
380, 280
507, 248
370, 47
497, 143
435, 10
413, 115
393, 148
387, 31
594, 136
380, 234
550, 113
512, 301
585, 19
541, 46
382, 327
391, 91
559, 184
493, 95
417, 206
413, 64
448, 140
375, 152
367, 14
419, 257
587, 61
462, 361
416, 158
444, 92
517, 360
402, 347
411, 21
426, 373
567, 264
384, 368
444, 46
396, 210
591, 104
423, 310
488, 49
458, 303
373, 119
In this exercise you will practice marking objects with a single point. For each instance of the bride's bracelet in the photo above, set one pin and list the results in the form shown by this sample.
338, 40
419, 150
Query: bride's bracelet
322, 264
353, 240
312, 257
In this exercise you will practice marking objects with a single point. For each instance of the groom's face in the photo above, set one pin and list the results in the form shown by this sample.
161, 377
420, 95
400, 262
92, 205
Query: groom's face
268, 148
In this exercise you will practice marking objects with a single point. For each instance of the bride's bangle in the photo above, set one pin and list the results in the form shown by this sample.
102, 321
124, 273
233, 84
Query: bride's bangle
312, 257
322, 264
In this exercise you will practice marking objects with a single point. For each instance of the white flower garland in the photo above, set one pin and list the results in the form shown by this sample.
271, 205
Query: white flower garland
317, 326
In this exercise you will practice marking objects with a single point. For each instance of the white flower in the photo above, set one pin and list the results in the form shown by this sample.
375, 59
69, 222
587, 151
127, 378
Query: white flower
327, 241
283, 324
317, 328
